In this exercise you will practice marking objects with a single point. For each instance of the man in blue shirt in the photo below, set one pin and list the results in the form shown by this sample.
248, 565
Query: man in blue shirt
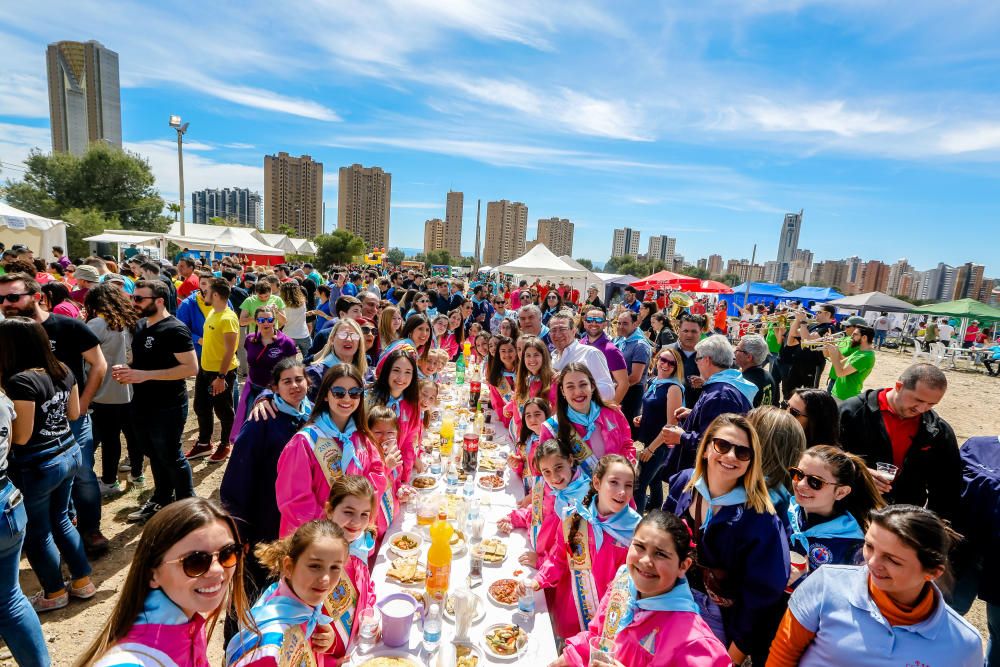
352, 286
631, 302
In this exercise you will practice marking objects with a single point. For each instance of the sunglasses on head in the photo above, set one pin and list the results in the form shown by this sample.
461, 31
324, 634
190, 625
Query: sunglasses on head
198, 563
341, 393
815, 483
723, 447
265, 320
594, 320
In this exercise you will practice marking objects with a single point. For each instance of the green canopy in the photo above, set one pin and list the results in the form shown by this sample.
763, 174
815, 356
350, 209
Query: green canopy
964, 308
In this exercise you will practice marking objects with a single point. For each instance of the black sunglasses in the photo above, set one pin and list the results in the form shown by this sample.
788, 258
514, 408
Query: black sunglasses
723, 446
367, 330
815, 483
198, 563
792, 411
139, 299
14, 298
340, 392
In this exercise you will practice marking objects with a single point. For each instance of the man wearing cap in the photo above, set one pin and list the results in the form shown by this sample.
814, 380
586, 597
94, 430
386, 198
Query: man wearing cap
86, 278
844, 344
593, 300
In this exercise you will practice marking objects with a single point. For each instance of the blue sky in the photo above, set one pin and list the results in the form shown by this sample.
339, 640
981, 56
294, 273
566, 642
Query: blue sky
705, 121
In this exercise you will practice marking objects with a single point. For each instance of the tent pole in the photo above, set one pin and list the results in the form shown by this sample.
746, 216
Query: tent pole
746, 291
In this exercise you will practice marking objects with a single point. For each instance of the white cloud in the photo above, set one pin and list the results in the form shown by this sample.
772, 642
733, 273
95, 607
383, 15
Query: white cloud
199, 171
971, 139
823, 117
23, 95
260, 98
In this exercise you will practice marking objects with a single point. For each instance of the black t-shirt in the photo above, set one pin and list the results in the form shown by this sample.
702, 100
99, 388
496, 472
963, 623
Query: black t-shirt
237, 296
69, 339
51, 399
153, 349
766, 386
814, 357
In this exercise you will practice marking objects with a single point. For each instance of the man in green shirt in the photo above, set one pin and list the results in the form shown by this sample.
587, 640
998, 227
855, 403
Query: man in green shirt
261, 297
853, 365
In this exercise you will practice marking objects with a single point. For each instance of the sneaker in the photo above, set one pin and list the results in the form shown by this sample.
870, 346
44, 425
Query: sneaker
125, 465
144, 513
95, 544
83, 593
42, 604
221, 453
199, 451
137, 480
109, 490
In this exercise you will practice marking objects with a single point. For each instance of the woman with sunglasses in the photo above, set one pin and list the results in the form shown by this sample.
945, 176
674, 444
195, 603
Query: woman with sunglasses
816, 410
344, 346
419, 305
397, 388
553, 304
661, 398
264, 349
186, 568
334, 441
742, 554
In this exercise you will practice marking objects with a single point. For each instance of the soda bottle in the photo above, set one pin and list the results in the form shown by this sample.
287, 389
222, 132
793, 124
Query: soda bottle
470, 452
447, 433
475, 386
439, 558
460, 370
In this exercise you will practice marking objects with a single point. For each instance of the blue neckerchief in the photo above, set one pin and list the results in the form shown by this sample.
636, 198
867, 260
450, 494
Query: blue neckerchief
543, 332
158, 609
363, 545
274, 610
678, 598
588, 421
330, 360
393, 403
659, 382
843, 526
737, 496
301, 414
735, 378
621, 525
568, 499
326, 426
533, 378
510, 376
635, 336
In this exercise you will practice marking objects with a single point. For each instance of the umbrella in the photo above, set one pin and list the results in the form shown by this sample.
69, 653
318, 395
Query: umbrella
963, 308
664, 279
873, 301
711, 287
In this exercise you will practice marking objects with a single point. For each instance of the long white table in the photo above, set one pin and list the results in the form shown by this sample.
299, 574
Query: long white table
541, 649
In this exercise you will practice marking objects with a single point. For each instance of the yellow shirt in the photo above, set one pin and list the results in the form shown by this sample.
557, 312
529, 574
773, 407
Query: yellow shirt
213, 343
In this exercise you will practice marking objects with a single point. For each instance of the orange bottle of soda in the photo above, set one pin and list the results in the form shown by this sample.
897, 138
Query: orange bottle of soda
439, 558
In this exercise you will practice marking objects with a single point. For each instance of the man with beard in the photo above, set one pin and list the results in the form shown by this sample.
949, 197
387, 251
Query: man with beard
594, 336
162, 357
851, 366
74, 344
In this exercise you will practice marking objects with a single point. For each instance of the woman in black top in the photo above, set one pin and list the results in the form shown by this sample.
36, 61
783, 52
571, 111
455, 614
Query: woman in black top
660, 333
44, 459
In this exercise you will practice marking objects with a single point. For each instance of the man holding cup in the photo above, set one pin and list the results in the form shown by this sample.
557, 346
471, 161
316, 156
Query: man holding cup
911, 451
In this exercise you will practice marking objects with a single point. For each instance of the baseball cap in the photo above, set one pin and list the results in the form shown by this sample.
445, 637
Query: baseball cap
855, 321
87, 273
111, 278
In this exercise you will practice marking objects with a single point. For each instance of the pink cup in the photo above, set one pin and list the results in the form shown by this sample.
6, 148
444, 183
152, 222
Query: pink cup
397, 618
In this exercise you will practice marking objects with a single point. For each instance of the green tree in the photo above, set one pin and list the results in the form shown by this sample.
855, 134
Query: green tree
82, 224
583, 261
395, 256
286, 230
116, 183
441, 257
175, 209
339, 247
695, 272
731, 279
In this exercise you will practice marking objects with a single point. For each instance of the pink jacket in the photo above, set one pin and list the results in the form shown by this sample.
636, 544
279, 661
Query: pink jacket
653, 639
161, 634
411, 431
533, 390
522, 518
361, 579
615, 432
301, 488
498, 402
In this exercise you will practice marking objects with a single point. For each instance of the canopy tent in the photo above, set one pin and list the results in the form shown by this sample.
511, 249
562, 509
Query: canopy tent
969, 309
590, 277
303, 246
807, 293
754, 293
127, 237
216, 238
279, 241
33, 231
540, 262
711, 287
614, 282
877, 301
666, 279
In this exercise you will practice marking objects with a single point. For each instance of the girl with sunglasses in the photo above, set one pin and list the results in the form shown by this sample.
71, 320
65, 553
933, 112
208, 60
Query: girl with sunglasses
663, 395
828, 517
742, 554
346, 345
583, 421
534, 378
335, 441
289, 620
188, 564
419, 305
817, 412
264, 349
397, 388
501, 377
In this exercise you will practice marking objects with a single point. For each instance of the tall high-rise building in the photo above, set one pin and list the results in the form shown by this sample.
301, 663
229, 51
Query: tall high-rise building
968, 281
84, 96
293, 194
830, 272
625, 243
363, 203
453, 223
556, 234
702, 263
896, 273
800, 269
506, 228
788, 243
715, 265
236, 204
434, 235
662, 248
874, 277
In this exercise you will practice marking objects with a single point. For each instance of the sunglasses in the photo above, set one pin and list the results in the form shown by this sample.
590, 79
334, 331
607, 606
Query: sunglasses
815, 483
348, 335
14, 298
792, 411
423, 301
667, 360
198, 563
367, 330
594, 320
265, 320
139, 299
340, 393
723, 447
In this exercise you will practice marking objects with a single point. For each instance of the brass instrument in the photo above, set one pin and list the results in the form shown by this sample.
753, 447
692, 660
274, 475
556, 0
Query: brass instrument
823, 340
679, 302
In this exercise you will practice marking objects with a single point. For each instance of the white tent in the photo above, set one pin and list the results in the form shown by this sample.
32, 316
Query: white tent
216, 238
540, 262
33, 231
279, 241
303, 246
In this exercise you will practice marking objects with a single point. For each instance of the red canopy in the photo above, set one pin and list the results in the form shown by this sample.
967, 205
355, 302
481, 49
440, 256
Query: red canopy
711, 286
667, 279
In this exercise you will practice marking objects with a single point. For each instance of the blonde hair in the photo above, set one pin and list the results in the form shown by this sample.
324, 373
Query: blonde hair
358, 361
386, 334
678, 363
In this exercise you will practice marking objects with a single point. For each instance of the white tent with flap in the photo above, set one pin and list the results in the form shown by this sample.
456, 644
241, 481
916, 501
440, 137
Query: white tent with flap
33, 231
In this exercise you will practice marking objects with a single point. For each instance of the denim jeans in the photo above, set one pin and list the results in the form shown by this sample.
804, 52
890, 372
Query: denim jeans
86, 492
964, 594
162, 430
649, 481
46, 485
19, 624
111, 421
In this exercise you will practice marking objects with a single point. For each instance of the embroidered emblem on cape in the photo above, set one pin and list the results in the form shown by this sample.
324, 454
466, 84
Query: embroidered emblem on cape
341, 605
819, 554
295, 651
649, 642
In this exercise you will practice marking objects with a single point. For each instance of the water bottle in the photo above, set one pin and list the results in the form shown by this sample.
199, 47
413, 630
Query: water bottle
469, 490
526, 602
452, 477
432, 627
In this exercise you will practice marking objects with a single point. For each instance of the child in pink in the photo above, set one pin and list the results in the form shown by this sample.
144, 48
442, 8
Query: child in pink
502, 372
397, 387
534, 379
521, 460
383, 426
164, 633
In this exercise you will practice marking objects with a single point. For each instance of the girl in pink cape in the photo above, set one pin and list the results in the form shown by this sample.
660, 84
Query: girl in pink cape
501, 376
397, 388
189, 562
648, 616
534, 379
590, 546
522, 459
334, 442
583, 420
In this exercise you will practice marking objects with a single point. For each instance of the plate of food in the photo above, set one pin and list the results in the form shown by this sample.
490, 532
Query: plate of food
503, 592
492, 482
478, 605
407, 571
494, 551
458, 543
490, 463
385, 658
505, 641
489, 431
424, 483
406, 543
488, 445
467, 655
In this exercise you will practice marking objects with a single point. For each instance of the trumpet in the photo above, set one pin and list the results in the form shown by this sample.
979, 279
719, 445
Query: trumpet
679, 302
823, 340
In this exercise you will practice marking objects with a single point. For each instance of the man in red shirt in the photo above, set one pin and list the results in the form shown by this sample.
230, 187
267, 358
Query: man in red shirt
189, 279
971, 334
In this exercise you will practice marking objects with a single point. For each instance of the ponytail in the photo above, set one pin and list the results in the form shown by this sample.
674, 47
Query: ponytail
850, 470
599, 471
272, 554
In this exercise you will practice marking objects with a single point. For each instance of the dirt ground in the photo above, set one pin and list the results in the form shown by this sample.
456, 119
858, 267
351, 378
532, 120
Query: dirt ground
68, 630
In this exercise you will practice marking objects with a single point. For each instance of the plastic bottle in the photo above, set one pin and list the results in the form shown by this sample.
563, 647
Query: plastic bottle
439, 558
452, 477
526, 602
447, 433
460, 370
432, 627
469, 490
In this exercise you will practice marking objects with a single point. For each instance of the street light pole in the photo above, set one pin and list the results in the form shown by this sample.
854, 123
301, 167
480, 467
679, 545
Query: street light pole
175, 122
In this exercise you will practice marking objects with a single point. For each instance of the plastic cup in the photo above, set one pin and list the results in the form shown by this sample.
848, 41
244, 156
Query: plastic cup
799, 566
888, 470
601, 654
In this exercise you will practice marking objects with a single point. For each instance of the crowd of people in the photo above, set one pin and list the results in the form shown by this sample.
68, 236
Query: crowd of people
698, 491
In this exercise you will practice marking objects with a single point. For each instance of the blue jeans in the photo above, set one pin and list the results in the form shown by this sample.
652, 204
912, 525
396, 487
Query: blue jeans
964, 594
86, 492
46, 484
162, 430
879, 338
19, 624
650, 482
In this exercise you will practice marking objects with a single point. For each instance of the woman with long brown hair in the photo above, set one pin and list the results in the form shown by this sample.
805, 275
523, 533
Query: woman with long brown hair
663, 395
295, 315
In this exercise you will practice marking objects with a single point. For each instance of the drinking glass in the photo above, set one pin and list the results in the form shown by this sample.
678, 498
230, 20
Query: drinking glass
367, 630
887, 469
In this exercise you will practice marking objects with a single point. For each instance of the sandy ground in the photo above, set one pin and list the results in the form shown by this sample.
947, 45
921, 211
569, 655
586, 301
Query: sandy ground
965, 406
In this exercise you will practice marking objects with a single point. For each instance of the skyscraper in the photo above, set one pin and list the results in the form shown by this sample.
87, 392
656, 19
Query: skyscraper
506, 227
714, 265
788, 243
84, 96
896, 273
662, 248
453, 223
556, 234
363, 203
434, 235
293, 192
625, 242
237, 204
968, 282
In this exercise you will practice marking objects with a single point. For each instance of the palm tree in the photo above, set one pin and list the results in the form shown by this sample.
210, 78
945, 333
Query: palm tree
175, 209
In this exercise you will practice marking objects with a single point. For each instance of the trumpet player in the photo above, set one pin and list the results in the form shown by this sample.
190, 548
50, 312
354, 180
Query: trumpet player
804, 368
850, 367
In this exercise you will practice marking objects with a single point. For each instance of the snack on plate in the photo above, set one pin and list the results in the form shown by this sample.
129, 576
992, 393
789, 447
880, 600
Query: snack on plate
490, 464
423, 482
404, 543
504, 591
488, 445
465, 657
506, 639
492, 482
494, 551
390, 661
457, 538
407, 570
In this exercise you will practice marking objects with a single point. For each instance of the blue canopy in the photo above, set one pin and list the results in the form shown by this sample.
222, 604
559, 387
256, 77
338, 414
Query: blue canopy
766, 292
807, 293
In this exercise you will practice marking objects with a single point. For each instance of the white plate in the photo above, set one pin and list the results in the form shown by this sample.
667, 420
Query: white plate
490, 563
428, 489
480, 611
479, 483
475, 651
522, 649
489, 594
406, 552
360, 660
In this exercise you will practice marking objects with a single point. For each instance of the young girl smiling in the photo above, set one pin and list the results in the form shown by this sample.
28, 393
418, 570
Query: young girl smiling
534, 378
502, 371
383, 426
396, 387
521, 461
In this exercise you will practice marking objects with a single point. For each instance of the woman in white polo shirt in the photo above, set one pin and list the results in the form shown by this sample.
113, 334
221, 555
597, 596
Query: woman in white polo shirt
887, 612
